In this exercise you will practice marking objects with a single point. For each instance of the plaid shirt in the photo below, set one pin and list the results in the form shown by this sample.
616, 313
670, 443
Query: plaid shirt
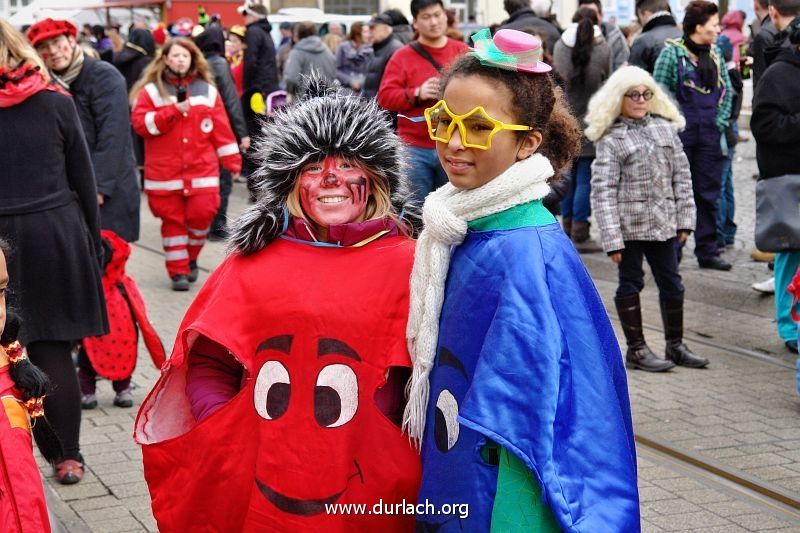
666, 73
641, 185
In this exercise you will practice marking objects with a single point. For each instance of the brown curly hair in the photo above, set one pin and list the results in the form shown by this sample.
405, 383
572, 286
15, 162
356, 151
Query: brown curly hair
537, 102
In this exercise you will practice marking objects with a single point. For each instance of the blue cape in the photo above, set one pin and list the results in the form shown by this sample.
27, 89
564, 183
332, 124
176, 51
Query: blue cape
527, 358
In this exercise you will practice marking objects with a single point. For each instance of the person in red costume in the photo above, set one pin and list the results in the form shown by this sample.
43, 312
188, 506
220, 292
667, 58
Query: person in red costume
113, 356
289, 368
187, 134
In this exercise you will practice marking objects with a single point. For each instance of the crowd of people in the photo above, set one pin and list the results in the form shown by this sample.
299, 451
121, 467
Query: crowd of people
389, 151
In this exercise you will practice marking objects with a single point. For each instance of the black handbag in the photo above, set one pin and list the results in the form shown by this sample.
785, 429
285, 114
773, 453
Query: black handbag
778, 214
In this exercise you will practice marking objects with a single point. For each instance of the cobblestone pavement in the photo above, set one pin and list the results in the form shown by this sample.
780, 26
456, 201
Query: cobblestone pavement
740, 411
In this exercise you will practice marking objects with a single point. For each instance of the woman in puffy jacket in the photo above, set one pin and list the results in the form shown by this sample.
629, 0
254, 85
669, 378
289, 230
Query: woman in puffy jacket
643, 203
187, 135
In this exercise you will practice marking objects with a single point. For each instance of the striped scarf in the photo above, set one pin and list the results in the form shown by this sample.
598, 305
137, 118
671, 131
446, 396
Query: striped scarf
67, 76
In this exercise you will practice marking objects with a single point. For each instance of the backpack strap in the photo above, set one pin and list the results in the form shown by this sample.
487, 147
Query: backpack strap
424, 53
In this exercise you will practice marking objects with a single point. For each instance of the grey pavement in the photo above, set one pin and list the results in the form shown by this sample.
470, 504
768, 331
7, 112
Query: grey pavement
741, 411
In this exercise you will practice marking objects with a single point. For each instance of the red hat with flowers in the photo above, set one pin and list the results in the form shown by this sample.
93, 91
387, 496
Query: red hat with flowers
49, 28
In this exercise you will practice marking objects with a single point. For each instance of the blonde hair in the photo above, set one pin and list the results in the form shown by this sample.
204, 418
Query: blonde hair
154, 73
14, 49
606, 104
379, 203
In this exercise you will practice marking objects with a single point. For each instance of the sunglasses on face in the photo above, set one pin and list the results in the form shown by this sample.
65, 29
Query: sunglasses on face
475, 127
637, 96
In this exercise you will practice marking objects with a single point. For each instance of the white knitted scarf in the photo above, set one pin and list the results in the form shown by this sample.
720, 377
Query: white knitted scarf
445, 216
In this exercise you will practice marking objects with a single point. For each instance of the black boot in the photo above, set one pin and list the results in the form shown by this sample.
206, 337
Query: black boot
677, 351
639, 355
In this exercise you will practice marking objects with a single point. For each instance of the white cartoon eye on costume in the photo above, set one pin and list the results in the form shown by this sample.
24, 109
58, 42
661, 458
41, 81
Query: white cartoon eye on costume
207, 125
272, 390
447, 407
335, 396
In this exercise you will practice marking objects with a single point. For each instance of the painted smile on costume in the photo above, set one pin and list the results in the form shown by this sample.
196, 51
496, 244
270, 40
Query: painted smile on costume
307, 507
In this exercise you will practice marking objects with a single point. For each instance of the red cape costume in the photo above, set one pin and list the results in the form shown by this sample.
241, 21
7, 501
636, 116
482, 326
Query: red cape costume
316, 330
22, 505
113, 356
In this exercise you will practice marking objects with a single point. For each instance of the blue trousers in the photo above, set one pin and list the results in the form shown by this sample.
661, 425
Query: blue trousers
427, 173
726, 227
786, 264
576, 204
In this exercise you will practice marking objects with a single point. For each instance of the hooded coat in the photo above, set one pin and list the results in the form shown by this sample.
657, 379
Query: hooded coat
733, 22
308, 55
212, 44
135, 56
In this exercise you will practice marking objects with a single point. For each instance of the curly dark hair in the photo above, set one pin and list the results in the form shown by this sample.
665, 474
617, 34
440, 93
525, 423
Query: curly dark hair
537, 102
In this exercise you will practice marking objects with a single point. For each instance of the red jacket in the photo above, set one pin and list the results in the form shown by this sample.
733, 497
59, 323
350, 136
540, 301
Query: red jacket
406, 71
22, 505
183, 151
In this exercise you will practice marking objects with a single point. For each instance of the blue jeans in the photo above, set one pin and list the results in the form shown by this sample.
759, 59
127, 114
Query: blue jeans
575, 204
726, 227
427, 173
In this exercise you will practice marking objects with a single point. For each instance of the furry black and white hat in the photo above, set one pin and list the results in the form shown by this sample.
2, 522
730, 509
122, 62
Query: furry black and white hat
325, 122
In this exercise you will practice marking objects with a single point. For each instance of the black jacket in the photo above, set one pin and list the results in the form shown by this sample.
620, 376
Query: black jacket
648, 45
101, 97
131, 63
526, 18
763, 40
260, 70
776, 117
382, 52
49, 214
212, 43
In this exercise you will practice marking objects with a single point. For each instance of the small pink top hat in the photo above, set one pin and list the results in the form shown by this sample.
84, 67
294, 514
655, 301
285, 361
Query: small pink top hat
510, 50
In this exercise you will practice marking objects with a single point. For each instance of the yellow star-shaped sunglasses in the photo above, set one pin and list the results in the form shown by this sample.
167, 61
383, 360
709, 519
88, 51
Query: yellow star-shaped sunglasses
476, 127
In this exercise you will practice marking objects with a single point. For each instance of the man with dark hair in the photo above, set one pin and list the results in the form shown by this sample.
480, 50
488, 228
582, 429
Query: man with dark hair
658, 25
411, 84
309, 54
613, 35
384, 44
783, 14
520, 15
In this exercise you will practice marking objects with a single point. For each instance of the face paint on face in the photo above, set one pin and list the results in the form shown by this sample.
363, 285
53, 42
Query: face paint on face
334, 191
57, 53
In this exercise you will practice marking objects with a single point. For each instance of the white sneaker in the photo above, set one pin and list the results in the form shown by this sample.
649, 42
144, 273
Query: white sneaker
767, 287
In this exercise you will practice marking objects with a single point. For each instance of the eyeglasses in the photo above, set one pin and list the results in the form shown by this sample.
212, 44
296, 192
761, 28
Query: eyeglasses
476, 127
637, 96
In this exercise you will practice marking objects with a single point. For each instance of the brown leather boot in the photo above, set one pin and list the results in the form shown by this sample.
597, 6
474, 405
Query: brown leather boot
566, 224
677, 351
639, 355
580, 231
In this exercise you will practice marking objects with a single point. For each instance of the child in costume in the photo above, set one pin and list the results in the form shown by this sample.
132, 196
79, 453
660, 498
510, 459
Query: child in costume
187, 135
289, 368
643, 203
518, 393
113, 356
22, 389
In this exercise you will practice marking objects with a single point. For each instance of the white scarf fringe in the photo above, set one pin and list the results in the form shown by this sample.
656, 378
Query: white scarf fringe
445, 216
